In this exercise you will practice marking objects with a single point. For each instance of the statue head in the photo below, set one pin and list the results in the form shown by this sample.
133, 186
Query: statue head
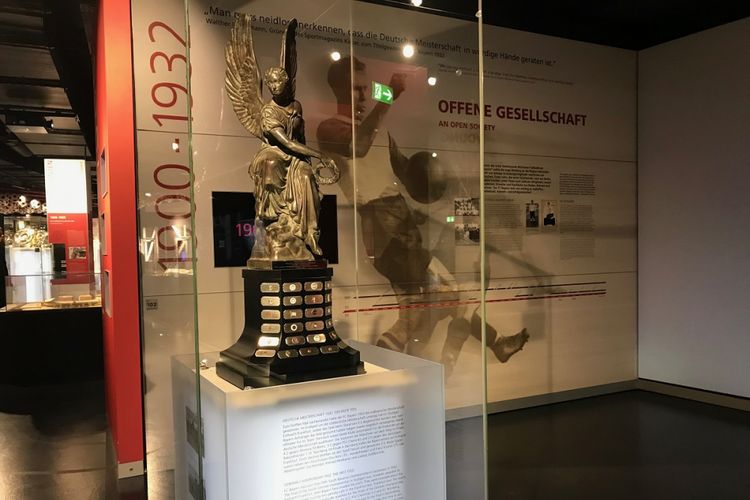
276, 81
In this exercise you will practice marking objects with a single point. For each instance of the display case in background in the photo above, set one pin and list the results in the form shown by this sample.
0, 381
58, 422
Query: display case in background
48, 313
28, 255
37, 275
27, 235
47, 291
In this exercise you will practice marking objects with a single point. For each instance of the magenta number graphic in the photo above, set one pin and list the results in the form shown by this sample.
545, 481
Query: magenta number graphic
244, 229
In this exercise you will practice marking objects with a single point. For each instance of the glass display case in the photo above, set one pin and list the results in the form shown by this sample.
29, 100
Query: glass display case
28, 256
400, 286
37, 275
46, 291
473, 197
26, 245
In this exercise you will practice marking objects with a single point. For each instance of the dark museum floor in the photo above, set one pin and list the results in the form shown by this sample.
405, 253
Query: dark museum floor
632, 445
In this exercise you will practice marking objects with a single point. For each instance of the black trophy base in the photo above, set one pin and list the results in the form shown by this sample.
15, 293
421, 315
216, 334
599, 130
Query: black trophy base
288, 335
243, 380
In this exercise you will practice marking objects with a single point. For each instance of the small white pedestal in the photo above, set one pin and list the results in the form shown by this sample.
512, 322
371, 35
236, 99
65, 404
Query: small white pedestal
27, 266
376, 436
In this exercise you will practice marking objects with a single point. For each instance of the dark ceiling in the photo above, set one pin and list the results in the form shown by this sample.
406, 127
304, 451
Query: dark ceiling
46, 82
628, 24
46, 89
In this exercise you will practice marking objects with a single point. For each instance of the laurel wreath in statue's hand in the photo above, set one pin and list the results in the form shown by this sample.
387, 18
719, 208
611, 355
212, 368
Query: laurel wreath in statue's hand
327, 164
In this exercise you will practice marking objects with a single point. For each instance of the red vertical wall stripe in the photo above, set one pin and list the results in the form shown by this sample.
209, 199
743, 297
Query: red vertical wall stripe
115, 136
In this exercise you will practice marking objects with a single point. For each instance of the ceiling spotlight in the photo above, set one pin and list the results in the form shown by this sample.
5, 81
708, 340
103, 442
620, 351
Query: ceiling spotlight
434, 155
431, 81
408, 50
336, 55
416, 3
148, 195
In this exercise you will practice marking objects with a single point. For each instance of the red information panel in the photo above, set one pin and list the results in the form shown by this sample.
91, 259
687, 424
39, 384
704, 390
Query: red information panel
72, 230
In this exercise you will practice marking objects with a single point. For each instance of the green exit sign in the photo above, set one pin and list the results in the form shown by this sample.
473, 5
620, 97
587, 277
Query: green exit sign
382, 93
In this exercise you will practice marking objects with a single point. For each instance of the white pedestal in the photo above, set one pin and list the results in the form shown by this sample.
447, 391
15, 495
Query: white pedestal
376, 436
27, 266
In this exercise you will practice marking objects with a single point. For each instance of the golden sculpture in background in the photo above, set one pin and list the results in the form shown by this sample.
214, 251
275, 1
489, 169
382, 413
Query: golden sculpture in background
28, 237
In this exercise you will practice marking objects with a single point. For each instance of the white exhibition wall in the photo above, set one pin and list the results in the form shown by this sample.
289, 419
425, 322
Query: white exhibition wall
571, 284
693, 177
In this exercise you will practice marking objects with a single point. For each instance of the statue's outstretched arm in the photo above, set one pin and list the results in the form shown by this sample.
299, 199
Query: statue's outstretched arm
292, 146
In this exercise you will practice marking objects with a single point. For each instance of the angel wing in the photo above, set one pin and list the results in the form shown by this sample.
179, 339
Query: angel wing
243, 81
288, 59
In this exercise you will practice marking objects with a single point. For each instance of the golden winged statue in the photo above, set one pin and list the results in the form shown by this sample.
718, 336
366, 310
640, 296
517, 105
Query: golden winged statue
287, 199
